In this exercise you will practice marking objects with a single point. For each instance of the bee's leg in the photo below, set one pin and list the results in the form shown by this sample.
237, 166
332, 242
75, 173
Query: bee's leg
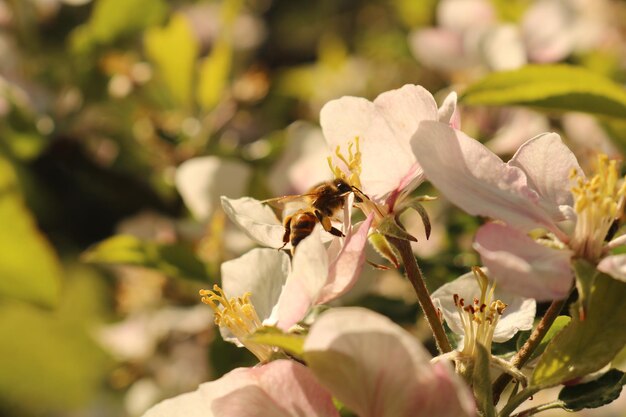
327, 225
287, 233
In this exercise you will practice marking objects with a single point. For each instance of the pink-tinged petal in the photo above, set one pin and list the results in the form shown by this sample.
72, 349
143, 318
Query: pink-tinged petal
346, 268
615, 266
553, 42
548, 164
307, 278
518, 315
466, 15
475, 179
256, 219
201, 182
440, 49
262, 273
279, 389
377, 369
522, 266
384, 128
191, 404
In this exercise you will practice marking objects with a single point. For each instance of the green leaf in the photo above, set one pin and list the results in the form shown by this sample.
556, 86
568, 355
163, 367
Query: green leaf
112, 19
173, 260
174, 50
214, 73
550, 87
597, 393
292, 343
481, 382
50, 362
29, 267
586, 346
559, 324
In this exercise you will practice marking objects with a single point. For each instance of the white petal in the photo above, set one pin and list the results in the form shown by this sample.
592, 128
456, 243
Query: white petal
522, 266
465, 15
378, 369
307, 278
201, 182
475, 179
262, 273
448, 113
503, 48
256, 219
548, 164
384, 129
615, 266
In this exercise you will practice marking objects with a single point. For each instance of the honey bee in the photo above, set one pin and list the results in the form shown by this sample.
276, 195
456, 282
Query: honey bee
323, 202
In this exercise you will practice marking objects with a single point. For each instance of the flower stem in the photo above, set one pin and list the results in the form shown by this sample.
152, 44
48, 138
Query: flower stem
522, 356
414, 274
543, 407
518, 399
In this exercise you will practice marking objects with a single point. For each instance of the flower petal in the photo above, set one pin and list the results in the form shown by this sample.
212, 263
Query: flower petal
279, 389
522, 266
384, 129
262, 272
304, 283
448, 113
256, 219
377, 369
346, 268
475, 179
201, 182
615, 266
548, 164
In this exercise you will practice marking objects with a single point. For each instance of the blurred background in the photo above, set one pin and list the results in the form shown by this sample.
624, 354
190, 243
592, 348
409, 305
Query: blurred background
123, 121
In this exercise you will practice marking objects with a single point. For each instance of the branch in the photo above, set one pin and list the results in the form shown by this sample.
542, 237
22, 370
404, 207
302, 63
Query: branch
414, 274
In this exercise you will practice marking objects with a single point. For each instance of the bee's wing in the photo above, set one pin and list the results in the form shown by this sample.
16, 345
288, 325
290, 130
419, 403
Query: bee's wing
279, 202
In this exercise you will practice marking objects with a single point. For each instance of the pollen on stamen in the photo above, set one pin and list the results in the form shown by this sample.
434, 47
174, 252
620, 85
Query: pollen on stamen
597, 202
239, 316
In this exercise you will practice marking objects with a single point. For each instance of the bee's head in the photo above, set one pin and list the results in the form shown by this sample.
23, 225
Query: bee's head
342, 186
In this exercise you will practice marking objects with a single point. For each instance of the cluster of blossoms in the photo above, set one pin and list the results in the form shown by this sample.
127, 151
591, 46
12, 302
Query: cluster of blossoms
546, 216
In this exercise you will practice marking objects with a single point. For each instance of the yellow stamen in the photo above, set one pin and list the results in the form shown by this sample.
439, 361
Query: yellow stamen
238, 316
352, 163
598, 201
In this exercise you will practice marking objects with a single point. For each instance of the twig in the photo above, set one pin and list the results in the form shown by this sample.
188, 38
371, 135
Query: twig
414, 274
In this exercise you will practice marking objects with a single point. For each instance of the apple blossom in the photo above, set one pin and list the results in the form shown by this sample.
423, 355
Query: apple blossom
481, 314
541, 188
474, 308
263, 287
377, 369
281, 388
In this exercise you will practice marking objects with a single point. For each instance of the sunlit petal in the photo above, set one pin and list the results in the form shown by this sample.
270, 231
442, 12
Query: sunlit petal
256, 219
522, 266
475, 179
